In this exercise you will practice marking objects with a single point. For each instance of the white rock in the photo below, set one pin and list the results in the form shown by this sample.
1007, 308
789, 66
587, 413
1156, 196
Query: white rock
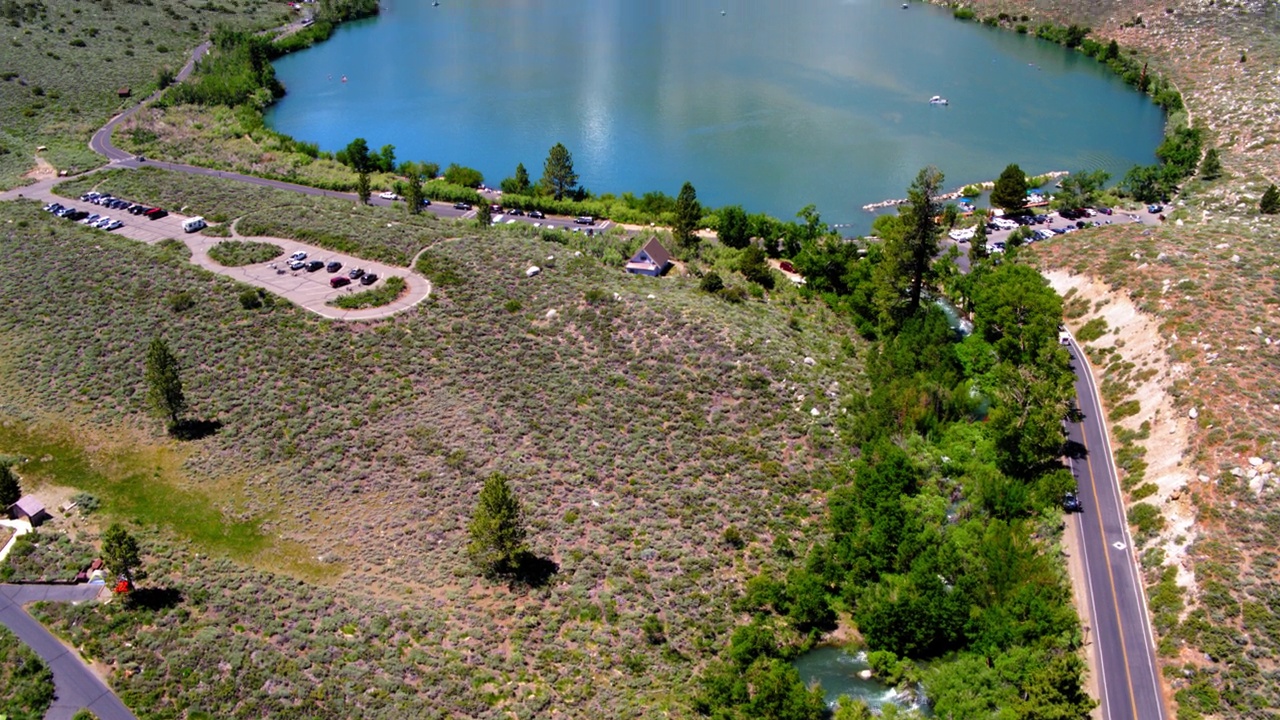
1235, 258
1222, 246
551, 314
1257, 329
1255, 461
533, 270
1178, 222
1193, 413
810, 361
814, 412
652, 296
864, 674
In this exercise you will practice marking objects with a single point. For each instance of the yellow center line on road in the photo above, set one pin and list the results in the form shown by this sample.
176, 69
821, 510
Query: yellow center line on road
1106, 555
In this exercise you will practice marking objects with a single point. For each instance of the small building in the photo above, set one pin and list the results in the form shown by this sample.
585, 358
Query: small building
652, 259
124, 92
30, 509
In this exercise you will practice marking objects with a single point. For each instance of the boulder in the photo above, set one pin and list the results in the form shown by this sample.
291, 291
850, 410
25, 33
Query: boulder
533, 270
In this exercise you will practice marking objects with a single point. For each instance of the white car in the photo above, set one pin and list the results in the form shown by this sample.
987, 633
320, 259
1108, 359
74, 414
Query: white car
388, 195
300, 255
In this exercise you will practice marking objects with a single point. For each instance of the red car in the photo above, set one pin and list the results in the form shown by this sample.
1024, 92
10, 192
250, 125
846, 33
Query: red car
338, 281
155, 214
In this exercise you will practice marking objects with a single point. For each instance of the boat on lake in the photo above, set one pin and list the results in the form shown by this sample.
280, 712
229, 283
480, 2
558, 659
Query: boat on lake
938, 100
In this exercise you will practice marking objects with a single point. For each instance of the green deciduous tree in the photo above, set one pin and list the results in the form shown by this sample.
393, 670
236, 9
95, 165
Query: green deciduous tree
356, 156
1081, 189
497, 530
735, 227
164, 384
1211, 166
1270, 203
457, 174
688, 214
558, 177
10, 489
1010, 191
1017, 312
120, 551
386, 159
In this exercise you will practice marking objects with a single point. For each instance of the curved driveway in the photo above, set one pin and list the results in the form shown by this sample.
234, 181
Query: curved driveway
1123, 644
76, 686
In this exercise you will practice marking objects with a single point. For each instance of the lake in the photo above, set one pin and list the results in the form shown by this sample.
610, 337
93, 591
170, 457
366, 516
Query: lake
769, 105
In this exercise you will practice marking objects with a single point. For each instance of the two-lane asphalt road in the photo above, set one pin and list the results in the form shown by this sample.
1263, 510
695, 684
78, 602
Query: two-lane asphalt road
1121, 634
75, 684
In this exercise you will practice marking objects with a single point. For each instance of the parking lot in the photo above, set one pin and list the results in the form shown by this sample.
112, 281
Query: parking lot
310, 290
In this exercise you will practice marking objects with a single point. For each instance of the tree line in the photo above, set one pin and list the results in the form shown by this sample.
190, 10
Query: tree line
930, 545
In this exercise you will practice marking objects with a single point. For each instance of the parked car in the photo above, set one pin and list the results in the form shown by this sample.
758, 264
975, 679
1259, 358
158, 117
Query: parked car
461, 206
297, 264
388, 195
78, 215
315, 265
300, 255
114, 225
585, 220
138, 210
1104, 210
537, 214
1154, 208
355, 273
426, 202
338, 281
368, 278
95, 217
1071, 503
155, 213
333, 266
495, 208
517, 212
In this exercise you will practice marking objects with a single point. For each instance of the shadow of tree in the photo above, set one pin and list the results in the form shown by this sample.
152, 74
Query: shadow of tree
1075, 450
194, 429
533, 571
154, 598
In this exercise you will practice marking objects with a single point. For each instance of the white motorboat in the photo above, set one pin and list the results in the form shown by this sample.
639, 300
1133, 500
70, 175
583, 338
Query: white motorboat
938, 100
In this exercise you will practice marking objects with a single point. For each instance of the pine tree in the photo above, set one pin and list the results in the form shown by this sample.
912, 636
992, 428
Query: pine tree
1010, 191
1270, 204
10, 490
497, 530
164, 385
120, 551
1211, 166
363, 188
558, 176
484, 217
688, 214
522, 180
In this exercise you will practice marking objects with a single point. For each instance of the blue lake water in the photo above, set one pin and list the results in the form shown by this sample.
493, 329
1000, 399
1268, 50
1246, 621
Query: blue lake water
769, 105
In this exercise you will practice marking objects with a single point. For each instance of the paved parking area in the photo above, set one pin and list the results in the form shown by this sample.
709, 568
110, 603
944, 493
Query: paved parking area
309, 290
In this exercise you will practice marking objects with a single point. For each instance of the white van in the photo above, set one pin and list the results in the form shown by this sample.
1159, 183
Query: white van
193, 224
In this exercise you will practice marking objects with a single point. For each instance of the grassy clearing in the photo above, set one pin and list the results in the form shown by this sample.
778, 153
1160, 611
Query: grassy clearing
390, 291
65, 61
236, 253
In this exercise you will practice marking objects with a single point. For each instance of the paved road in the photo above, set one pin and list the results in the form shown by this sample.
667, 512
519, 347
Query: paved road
1121, 633
76, 685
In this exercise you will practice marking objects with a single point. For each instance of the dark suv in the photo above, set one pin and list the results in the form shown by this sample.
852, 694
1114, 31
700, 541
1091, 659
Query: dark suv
315, 265
1071, 503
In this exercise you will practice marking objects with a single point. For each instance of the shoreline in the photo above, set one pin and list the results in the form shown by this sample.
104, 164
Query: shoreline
956, 194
